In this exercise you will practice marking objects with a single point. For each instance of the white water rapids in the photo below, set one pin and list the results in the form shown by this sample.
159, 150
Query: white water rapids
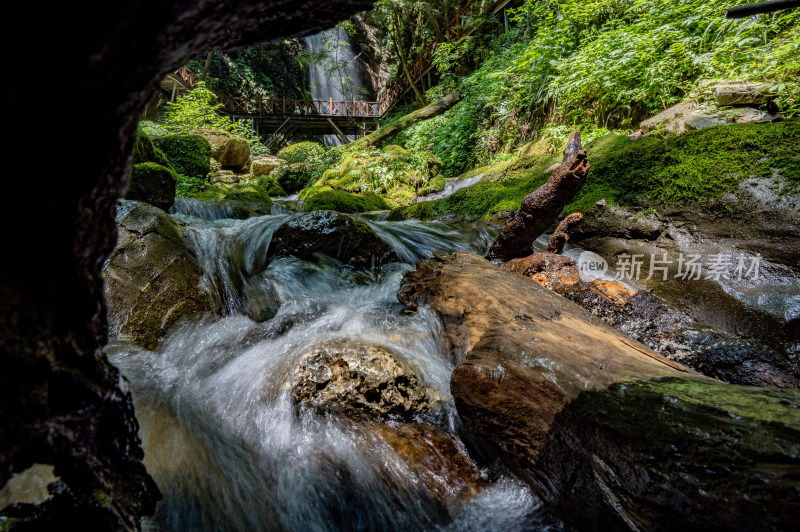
222, 437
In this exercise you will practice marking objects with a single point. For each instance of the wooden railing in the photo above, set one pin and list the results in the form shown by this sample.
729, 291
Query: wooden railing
259, 105
454, 31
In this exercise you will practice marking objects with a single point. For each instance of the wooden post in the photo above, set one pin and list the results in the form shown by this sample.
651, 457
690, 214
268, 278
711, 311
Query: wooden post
174, 91
284, 105
330, 106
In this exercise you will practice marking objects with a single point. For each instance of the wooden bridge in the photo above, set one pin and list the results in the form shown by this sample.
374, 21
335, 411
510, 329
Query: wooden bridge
277, 120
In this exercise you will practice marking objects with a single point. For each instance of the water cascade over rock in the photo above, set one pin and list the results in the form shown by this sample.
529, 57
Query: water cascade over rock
339, 76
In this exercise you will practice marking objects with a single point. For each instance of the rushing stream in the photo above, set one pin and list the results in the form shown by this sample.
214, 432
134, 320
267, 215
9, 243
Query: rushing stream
222, 435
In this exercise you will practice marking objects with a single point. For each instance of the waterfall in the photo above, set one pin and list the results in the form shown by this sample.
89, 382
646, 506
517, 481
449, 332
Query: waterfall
343, 79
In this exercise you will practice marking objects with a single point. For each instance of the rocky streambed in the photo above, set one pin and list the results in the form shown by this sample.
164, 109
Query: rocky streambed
299, 391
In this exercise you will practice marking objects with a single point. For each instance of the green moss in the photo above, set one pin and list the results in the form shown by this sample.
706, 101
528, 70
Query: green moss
336, 200
501, 189
145, 151
301, 151
152, 170
696, 167
250, 193
270, 186
436, 184
189, 155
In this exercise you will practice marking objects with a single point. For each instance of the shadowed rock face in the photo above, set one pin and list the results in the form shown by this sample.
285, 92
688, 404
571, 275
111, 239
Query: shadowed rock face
63, 404
334, 235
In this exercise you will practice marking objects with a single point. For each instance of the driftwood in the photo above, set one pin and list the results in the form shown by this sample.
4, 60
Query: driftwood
748, 10
561, 235
541, 207
434, 109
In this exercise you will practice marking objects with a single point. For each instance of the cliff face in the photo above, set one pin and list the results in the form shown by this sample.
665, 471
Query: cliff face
63, 404
371, 50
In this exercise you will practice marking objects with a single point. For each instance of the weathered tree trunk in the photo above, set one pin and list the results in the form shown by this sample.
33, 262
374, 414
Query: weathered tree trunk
561, 234
208, 63
540, 208
434, 109
403, 61
595, 421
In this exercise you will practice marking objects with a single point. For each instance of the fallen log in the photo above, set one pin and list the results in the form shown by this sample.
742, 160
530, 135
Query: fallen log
541, 207
561, 235
594, 420
434, 109
748, 10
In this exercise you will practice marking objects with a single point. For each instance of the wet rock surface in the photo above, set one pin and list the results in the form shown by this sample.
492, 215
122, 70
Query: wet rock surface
543, 382
433, 456
762, 305
667, 330
360, 379
152, 279
331, 234
217, 209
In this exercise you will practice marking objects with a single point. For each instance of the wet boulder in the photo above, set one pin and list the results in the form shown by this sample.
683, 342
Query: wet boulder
229, 150
335, 235
441, 465
360, 379
151, 279
154, 184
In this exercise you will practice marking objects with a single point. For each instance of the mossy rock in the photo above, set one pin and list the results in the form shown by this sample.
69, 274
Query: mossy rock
301, 151
680, 453
436, 184
146, 151
331, 234
294, 177
250, 193
346, 202
189, 155
154, 184
394, 150
270, 186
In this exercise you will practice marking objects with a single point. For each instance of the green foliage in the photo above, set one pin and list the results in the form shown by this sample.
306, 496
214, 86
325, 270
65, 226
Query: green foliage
189, 155
327, 199
189, 187
144, 151
300, 151
199, 109
697, 167
600, 65
152, 129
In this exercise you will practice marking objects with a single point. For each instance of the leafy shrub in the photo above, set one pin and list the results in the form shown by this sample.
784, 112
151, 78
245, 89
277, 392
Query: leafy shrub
198, 109
301, 151
189, 155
